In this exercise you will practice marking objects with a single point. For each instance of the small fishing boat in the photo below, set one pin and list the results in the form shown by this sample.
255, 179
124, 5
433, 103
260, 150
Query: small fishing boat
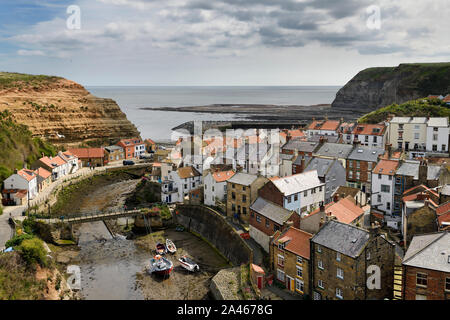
160, 266
170, 246
188, 264
161, 248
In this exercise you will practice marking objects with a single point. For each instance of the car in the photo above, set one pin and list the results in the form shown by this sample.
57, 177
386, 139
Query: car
128, 162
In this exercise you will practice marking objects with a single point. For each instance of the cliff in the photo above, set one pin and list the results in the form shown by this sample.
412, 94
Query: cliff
378, 87
62, 111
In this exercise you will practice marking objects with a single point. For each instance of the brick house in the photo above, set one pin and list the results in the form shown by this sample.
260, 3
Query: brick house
242, 191
114, 153
340, 258
133, 148
90, 157
426, 268
290, 259
266, 218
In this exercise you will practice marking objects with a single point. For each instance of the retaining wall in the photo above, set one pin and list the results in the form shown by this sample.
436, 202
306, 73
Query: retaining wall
213, 227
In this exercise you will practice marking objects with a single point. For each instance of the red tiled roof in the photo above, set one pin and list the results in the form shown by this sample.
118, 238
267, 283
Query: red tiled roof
368, 129
83, 153
443, 209
330, 125
27, 174
296, 133
150, 141
53, 162
299, 243
388, 167
129, 142
43, 173
344, 210
446, 98
221, 176
257, 269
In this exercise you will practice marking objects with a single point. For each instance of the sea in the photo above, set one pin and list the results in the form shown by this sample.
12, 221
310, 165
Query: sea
157, 125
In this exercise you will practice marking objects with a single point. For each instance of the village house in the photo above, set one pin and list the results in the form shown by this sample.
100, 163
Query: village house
443, 216
179, 183
330, 171
57, 165
290, 259
14, 197
266, 218
299, 147
242, 191
44, 178
382, 197
437, 135
300, 192
334, 151
340, 256
160, 155
426, 268
360, 163
323, 128
150, 145
133, 148
114, 153
215, 186
419, 205
446, 99
90, 157
23, 179
369, 135
357, 195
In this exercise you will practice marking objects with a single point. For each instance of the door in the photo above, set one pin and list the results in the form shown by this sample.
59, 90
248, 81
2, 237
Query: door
259, 282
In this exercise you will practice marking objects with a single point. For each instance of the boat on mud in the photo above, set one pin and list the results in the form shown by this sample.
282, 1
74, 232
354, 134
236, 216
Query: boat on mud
160, 266
161, 248
189, 264
170, 246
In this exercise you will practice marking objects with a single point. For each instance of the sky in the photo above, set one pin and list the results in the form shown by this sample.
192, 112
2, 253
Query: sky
219, 42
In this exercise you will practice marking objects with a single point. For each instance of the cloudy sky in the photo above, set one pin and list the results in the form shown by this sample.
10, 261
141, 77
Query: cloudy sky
219, 42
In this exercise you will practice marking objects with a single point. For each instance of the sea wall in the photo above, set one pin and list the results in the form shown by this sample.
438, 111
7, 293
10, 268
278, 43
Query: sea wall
212, 226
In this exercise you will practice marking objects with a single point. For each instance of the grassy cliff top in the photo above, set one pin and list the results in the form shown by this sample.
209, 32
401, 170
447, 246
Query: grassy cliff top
11, 79
415, 108
415, 70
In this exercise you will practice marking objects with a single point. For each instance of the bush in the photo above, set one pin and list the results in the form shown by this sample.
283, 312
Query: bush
29, 225
33, 251
17, 240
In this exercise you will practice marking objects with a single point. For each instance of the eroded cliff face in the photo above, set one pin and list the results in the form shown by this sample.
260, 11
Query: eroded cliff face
378, 87
59, 107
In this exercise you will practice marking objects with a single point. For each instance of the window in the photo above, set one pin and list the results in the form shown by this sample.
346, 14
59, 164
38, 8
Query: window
280, 275
443, 147
358, 175
299, 285
390, 178
339, 293
233, 195
447, 284
416, 135
299, 259
244, 198
232, 185
320, 264
421, 297
368, 256
319, 249
338, 256
379, 176
374, 139
385, 188
299, 272
289, 199
379, 198
434, 147
358, 164
350, 174
350, 164
258, 218
305, 193
244, 210
320, 189
267, 223
296, 197
388, 206
280, 260
340, 273
366, 139
435, 137
320, 284
421, 279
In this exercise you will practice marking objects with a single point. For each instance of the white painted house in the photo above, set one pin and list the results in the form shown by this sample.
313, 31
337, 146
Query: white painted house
437, 135
179, 184
215, 186
383, 183
23, 180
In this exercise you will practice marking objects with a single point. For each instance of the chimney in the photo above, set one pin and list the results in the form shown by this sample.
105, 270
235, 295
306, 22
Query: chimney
423, 168
287, 224
374, 229
302, 163
336, 197
388, 148
322, 222
15, 171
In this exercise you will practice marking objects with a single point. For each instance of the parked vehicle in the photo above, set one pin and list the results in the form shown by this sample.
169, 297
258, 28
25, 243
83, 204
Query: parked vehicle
170, 246
189, 264
160, 266
128, 162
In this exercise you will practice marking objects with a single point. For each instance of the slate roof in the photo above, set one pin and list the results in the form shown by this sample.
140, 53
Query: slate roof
346, 191
409, 168
112, 148
438, 122
429, 251
243, 178
364, 153
270, 210
335, 150
301, 146
321, 165
446, 190
297, 182
316, 138
341, 237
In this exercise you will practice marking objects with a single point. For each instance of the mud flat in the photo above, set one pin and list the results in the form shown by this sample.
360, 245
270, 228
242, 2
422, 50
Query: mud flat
181, 285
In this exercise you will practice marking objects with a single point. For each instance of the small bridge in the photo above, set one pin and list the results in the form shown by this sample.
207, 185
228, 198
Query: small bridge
99, 216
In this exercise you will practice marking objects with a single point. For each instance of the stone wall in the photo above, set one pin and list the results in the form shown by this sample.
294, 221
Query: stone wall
212, 226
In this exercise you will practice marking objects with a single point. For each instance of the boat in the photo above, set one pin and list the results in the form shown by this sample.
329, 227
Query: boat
160, 248
160, 266
188, 264
170, 246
